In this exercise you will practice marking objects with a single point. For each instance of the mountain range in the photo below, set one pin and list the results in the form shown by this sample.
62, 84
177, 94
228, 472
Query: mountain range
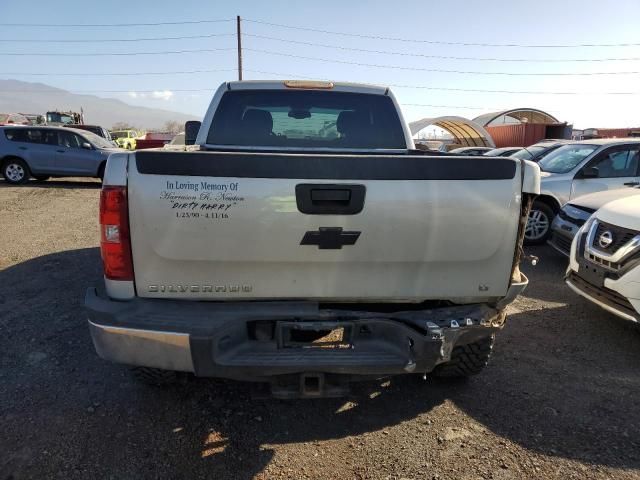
26, 97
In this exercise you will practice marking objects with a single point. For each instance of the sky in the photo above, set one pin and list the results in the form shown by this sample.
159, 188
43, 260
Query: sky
395, 44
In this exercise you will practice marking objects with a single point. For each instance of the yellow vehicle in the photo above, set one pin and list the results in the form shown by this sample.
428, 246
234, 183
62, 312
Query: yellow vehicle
125, 138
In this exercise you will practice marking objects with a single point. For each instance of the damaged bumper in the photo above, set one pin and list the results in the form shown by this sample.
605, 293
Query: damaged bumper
271, 341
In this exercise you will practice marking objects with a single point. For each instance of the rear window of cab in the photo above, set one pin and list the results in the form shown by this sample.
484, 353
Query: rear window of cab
306, 119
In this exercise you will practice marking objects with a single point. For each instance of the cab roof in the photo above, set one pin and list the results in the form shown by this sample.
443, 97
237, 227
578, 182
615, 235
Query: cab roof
280, 85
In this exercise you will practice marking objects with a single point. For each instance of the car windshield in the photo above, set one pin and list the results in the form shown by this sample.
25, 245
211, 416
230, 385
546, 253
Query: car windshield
97, 141
54, 117
119, 134
496, 152
529, 152
306, 119
565, 158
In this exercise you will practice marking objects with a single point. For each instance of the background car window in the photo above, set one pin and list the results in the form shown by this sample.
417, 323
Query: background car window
565, 158
16, 134
528, 153
48, 137
28, 135
622, 163
70, 140
96, 140
34, 136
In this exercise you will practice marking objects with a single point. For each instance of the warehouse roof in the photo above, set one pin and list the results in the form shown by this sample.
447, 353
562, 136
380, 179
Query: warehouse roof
465, 132
515, 115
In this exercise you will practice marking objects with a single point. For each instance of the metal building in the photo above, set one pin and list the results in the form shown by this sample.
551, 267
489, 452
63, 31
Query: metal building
521, 127
465, 133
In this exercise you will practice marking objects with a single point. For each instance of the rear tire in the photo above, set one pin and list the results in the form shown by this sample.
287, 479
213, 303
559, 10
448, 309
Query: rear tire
538, 226
466, 360
15, 171
154, 376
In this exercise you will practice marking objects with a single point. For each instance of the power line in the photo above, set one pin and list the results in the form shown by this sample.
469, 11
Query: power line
62, 25
191, 90
440, 70
451, 89
317, 30
108, 54
110, 40
290, 75
106, 74
384, 52
450, 106
440, 57
517, 92
441, 42
186, 90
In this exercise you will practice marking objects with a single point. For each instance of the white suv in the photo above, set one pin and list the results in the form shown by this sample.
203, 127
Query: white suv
579, 168
604, 264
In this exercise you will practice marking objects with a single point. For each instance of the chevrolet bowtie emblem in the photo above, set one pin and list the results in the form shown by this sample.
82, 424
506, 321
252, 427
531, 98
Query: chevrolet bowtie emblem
330, 238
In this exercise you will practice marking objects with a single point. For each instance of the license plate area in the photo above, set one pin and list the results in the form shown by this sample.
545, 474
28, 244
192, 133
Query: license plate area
317, 335
592, 273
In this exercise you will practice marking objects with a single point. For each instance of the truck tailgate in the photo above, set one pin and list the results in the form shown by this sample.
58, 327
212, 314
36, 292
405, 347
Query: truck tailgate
220, 225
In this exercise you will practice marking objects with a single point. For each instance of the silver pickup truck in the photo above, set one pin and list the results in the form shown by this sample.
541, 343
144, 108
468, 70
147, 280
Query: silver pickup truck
307, 244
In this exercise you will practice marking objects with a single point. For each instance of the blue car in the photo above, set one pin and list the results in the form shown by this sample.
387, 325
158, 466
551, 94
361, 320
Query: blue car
44, 152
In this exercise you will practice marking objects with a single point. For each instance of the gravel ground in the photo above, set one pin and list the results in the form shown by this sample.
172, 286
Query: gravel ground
559, 399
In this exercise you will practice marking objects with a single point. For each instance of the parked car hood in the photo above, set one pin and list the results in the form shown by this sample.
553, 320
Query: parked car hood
624, 212
598, 199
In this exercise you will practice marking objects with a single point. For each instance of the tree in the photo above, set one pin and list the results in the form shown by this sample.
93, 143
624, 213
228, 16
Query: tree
123, 126
172, 126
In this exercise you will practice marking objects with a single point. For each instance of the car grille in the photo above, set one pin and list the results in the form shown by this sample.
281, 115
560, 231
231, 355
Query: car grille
620, 236
561, 243
604, 295
604, 263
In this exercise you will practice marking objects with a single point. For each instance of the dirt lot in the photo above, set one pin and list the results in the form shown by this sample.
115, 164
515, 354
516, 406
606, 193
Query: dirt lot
560, 399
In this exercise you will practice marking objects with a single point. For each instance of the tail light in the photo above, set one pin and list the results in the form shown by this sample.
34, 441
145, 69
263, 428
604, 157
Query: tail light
115, 242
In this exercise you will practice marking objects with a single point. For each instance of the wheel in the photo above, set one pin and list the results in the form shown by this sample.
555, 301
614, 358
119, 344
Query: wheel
16, 171
466, 360
41, 178
538, 226
154, 376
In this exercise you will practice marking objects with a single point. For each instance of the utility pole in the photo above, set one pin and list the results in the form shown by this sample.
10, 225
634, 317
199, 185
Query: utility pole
239, 47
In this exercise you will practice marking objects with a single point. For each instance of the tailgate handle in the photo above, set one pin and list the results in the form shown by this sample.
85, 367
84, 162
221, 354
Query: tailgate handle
330, 199
330, 195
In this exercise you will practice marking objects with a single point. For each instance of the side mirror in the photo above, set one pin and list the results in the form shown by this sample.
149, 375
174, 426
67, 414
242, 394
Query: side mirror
191, 129
87, 146
590, 172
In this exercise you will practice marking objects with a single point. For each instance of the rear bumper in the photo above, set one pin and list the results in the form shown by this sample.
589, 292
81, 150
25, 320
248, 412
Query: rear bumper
219, 339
